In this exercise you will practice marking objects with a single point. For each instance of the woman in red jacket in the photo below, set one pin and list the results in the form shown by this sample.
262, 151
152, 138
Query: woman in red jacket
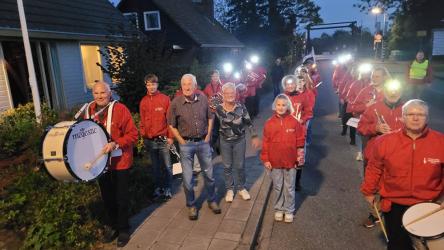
282, 152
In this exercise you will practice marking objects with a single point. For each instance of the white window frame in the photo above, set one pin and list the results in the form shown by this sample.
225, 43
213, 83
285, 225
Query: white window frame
146, 20
133, 14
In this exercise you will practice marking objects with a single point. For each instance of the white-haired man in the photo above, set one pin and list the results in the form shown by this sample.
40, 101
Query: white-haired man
406, 167
191, 121
114, 183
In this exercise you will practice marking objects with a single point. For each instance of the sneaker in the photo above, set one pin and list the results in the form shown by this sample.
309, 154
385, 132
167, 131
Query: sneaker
157, 192
359, 156
370, 221
288, 218
278, 216
167, 194
123, 239
229, 196
245, 195
192, 213
214, 207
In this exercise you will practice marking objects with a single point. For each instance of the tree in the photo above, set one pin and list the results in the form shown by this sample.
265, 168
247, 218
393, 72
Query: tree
408, 17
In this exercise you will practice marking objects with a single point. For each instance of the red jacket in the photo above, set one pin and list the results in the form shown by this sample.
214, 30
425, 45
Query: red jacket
412, 171
153, 110
369, 120
358, 106
338, 74
303, 104
281, 138
354, 90
343, 85
212, 89
123, 132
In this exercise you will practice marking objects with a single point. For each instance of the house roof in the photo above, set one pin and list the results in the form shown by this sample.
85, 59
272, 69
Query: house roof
64, 19
205, 32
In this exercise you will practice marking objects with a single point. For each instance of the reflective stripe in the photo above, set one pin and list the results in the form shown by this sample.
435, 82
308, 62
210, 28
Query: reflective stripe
418, 70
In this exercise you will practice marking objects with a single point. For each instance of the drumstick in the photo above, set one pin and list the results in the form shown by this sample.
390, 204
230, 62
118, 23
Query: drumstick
88, 165
380, 221
425, 215
317, 85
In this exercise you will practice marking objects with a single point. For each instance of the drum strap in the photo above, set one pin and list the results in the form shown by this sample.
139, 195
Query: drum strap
109, 108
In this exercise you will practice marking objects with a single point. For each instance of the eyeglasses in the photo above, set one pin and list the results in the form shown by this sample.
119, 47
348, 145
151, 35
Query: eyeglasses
419, 115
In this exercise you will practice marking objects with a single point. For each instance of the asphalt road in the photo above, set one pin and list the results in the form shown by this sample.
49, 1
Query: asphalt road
330, 209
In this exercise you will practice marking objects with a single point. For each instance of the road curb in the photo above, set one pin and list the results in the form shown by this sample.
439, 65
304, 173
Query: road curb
250, 235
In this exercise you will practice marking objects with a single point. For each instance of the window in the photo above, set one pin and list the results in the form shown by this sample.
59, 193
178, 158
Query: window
152, 20
90, 58
132, 17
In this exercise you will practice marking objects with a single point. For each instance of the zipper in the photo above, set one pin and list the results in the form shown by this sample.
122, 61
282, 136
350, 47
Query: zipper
411, 166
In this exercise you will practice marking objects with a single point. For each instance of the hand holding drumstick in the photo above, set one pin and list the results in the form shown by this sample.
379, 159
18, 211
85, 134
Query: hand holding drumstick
106, 149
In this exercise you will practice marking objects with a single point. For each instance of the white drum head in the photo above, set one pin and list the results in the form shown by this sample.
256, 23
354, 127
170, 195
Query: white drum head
83, 145
430, 226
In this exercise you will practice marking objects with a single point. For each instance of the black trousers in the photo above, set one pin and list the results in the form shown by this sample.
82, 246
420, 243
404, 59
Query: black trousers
345, 117
398, 237
115, 195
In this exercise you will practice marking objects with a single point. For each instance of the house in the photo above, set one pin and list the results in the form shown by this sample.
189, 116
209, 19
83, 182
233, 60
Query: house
65, 36
187, 26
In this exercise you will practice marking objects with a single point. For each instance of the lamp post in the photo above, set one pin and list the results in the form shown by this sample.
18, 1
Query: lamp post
376, 11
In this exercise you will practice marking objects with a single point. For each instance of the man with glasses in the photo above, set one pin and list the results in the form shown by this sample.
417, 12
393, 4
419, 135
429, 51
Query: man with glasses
191, 121
157, 138
406, 168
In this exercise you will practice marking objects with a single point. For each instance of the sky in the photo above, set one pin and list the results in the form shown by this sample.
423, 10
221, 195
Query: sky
343, 11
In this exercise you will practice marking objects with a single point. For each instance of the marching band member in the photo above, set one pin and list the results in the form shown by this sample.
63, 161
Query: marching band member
381, 118
406, 167
234, 118
282, 151
349, 79
154, 130
213, 92
114, 183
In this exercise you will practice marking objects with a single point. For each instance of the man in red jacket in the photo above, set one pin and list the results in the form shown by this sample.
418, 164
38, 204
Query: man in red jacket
156, 136
406, 167
381, 118
116, 118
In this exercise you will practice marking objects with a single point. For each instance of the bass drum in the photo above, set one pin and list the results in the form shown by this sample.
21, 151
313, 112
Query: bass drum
72, 150
428, 233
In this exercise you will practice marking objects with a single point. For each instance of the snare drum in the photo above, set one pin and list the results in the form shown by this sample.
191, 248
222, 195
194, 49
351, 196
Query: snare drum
72, 150
427, 233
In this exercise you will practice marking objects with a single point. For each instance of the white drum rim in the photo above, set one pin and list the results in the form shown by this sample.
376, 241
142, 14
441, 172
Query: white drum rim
435, 237
64, 150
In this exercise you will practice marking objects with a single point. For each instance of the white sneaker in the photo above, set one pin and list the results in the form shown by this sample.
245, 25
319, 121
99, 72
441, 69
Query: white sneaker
359, 156
278, 216
229, 196
288, 218
245, 195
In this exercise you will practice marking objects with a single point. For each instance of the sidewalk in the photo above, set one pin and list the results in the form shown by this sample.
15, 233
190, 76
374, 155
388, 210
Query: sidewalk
166, 226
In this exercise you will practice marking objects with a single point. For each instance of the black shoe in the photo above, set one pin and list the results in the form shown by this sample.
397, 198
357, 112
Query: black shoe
123, 239
110, 236
214, 207
192, 213
352, 142
343, 133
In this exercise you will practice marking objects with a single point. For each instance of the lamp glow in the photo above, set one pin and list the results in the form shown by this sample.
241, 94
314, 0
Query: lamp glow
254, 59
365, 68
393, 85
228, 67
248, 65
237, 75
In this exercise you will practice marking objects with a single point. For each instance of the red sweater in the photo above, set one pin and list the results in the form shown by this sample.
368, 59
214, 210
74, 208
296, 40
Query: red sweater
354, 90
123, 132
212, 89
153, 110
344, 84
281, 138
338, 74
412, 171
358, 106
367, 123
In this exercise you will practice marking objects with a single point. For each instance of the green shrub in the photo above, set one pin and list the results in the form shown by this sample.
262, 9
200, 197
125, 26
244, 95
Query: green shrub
20, 131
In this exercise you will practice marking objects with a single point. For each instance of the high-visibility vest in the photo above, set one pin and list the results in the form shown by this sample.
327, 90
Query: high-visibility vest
418, 70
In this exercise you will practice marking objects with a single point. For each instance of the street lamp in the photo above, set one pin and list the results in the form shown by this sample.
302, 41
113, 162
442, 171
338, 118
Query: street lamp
376, 11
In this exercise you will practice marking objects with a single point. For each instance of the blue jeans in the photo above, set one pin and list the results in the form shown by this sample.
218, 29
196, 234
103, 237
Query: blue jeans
160, 162
283, 187
203, 151
233, 157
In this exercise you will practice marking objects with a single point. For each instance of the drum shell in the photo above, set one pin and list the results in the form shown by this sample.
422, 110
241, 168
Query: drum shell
426, 243
54, 151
